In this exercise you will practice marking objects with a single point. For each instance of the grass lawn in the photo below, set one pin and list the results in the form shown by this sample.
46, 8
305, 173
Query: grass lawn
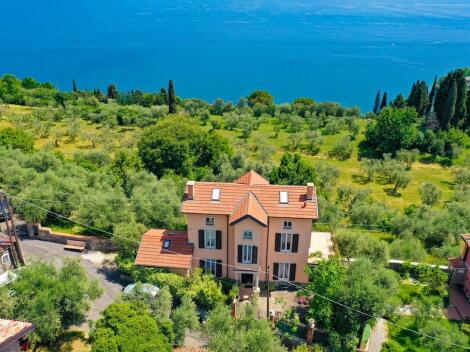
351, 173
69, 341
404, 340
120, 136
64, 226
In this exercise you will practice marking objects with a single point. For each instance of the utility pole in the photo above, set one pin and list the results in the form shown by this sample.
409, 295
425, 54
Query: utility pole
267, 293
11, 229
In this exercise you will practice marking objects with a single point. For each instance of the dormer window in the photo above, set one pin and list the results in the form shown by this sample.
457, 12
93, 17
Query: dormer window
166, 244
210, 221
216, 194
283, 197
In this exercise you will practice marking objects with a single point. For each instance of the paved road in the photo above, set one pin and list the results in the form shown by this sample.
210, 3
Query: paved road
378, 336
95, 263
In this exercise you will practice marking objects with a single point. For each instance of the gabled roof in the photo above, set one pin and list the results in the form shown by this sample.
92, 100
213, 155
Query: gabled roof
249, 207
11, 330
252, 178
267, 195
152, 253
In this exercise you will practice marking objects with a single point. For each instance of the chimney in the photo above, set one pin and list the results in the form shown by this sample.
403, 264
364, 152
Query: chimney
190, 189
310, 190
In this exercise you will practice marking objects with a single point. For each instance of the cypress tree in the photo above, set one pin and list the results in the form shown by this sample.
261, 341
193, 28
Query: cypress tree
442, 101
164, 94
99, 95
467, 123
461, 102
171, 98
432, 94
377, 103
384, 101
449, 107
112, 91
418, 97
74, 86
399, 102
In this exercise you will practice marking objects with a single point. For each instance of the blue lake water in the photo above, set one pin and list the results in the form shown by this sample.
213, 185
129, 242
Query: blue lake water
335, 50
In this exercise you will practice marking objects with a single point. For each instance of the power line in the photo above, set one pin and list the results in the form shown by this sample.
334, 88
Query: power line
363, 227
261, 271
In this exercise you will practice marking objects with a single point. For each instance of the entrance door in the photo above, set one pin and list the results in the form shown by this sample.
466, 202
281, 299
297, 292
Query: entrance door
247, 280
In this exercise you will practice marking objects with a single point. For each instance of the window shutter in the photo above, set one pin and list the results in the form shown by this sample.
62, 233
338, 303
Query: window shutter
218, 269
202, 264
218, 239
275, 271
240, 253
295, 242
292, 272
254, 257
277, 244
201, 238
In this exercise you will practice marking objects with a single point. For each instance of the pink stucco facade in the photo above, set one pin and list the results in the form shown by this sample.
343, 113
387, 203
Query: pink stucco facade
263, 238
466, 260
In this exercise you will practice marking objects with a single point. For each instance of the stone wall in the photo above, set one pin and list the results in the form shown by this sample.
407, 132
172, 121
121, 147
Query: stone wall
93, 243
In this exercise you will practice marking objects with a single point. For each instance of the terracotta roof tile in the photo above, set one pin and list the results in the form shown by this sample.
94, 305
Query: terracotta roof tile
268, 196
252, 178
249, 206
11, 330
152, 253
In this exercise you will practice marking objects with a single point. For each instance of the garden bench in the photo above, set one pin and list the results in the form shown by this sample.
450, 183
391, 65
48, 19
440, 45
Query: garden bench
75, 245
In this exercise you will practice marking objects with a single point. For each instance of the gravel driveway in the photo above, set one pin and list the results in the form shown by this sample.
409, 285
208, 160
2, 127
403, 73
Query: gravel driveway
98, 265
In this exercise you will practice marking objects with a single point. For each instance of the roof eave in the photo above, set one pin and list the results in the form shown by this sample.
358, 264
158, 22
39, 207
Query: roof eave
248, 217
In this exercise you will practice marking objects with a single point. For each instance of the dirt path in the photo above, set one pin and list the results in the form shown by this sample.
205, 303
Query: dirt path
378, 336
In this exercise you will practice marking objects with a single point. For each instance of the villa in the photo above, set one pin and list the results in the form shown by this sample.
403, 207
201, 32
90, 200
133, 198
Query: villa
240, 231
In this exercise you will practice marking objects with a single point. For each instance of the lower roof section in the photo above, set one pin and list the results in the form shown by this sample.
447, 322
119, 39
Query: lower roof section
165, 248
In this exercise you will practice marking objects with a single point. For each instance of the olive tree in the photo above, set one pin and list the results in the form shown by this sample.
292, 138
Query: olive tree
429, 193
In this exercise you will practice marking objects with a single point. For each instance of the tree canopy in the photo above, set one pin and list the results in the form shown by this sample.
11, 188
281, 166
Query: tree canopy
52, 299
292, 170
177, 145
128, 327
248, 333
16, 139
366, 287
393, 129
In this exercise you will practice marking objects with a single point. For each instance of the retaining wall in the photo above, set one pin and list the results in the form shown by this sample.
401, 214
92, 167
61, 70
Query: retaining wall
94, 243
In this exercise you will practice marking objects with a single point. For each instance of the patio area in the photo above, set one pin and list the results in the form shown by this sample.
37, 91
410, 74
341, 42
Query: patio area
321, 247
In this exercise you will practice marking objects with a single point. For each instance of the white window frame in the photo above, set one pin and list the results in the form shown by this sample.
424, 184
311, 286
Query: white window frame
250, 237
210, 266
165, 242
210, 221
288, 223
216, 194
210, 239
283, 197
286, 242
283, 271
247, 254
6, 259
